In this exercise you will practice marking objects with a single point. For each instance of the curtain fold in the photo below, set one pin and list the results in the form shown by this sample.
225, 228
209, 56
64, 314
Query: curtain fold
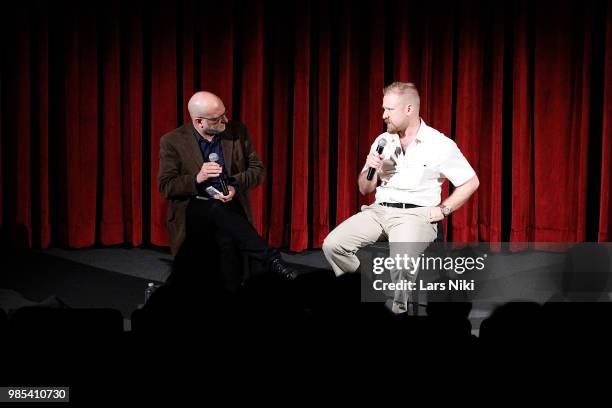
280, 53
112, 223
301, 131
79, 133
320, 219
349, 94
605, 220
132, 123
163, 107
561, 106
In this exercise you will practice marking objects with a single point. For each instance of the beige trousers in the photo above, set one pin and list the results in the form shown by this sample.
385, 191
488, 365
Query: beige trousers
374, 223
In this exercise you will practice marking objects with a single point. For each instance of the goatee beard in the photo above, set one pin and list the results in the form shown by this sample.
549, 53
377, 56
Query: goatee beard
212, 131
391, 129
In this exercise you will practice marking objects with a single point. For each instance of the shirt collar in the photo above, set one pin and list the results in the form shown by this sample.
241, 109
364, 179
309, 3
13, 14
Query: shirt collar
421, 133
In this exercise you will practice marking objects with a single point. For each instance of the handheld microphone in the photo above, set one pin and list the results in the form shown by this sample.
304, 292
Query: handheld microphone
214, 157
379, 149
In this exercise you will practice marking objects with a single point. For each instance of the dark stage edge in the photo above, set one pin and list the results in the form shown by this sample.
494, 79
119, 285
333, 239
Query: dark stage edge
117, 277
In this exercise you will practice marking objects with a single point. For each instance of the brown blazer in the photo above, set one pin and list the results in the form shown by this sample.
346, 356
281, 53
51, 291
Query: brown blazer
180, 161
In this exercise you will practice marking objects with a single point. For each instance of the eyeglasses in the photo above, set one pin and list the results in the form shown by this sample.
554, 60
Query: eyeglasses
217, 119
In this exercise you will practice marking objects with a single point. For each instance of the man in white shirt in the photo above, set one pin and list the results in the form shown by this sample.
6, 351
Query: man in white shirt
409, 174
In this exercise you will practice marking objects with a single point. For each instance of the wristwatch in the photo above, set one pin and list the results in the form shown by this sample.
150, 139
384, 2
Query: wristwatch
445, 210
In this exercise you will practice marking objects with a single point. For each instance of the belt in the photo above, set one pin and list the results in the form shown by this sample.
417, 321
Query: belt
400, 205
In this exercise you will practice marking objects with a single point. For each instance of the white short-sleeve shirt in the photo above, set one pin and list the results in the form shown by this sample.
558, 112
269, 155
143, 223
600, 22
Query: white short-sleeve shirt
416, 176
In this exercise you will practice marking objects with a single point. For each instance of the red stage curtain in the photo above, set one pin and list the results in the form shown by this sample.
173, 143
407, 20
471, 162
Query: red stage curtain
87, 90
605, 206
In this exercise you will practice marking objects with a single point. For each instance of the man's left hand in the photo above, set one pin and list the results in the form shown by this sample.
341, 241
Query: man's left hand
227, 198
435, 214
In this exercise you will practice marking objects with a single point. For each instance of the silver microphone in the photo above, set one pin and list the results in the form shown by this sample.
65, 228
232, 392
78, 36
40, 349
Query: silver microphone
214, 157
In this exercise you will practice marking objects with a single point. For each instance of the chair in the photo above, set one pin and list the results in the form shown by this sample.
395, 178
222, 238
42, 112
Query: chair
213, 262
367, 254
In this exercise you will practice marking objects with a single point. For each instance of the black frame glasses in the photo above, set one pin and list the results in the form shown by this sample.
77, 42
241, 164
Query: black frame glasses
217, 119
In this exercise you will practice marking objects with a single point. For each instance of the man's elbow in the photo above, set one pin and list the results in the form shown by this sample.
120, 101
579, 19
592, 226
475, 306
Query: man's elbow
470, 186
163, 186
164, 192
365, 190
362, 189
475, 182
261, 176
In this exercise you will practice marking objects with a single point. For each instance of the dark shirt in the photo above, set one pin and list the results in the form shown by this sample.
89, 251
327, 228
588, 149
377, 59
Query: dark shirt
207, 148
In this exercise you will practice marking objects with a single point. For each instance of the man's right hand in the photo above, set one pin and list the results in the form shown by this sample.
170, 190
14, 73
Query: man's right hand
375, 160
208, 170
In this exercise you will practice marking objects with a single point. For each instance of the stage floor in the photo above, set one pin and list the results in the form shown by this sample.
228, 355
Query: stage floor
117, 277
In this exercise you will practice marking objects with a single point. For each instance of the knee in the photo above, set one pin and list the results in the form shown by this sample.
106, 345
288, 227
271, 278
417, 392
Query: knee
224, 243
331, 243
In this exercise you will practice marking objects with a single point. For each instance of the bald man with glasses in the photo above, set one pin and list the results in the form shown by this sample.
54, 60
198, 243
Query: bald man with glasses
199, 215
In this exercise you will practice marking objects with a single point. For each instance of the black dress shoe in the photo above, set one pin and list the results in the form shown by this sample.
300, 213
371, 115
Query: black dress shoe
280, 268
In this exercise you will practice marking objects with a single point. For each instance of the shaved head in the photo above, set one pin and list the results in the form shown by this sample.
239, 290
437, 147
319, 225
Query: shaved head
407, 92
207, 113
205, 104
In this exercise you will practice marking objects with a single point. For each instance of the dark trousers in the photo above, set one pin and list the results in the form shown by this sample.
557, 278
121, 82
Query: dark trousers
216, 236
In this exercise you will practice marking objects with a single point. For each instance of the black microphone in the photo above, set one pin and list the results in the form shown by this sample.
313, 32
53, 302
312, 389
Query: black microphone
379, 149
214, 157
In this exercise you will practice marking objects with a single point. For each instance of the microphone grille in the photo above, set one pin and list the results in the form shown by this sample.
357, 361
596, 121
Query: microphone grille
213, 157
382, 142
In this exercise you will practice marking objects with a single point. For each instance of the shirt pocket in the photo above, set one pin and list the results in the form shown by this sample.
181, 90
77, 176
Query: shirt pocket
409, 176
